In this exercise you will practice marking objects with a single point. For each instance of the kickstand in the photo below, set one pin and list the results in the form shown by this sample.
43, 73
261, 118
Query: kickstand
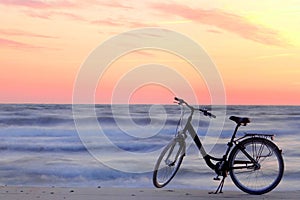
220, 187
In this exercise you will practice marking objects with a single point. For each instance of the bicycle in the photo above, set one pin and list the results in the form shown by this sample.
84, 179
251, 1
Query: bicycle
254, 162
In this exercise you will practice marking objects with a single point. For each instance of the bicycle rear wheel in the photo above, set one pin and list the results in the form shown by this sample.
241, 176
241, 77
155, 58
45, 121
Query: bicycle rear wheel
168, 162
257, 177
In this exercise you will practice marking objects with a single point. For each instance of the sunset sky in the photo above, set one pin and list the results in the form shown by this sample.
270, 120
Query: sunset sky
255, 46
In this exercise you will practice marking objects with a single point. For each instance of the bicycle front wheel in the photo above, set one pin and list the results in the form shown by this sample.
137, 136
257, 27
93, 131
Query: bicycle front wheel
256, 165
168, 162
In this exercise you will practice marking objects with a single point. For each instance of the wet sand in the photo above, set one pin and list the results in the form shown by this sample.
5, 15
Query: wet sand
58, 193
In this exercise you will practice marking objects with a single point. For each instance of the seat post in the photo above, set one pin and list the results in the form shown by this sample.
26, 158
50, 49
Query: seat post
235, 131
230, 144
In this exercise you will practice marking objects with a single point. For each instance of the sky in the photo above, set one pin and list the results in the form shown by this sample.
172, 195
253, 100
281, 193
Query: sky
255, 46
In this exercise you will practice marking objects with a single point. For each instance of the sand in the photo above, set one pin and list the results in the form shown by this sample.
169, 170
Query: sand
54, 193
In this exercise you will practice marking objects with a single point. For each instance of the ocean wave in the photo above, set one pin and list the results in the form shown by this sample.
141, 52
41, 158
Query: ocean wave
35, 121
42, 148
69, 145
61, 115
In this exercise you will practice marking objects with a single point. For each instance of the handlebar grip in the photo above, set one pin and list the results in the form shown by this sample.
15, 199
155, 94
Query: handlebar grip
212, 115
179, 101
206, 113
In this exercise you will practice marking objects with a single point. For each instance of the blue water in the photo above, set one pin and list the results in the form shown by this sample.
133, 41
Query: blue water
41, 145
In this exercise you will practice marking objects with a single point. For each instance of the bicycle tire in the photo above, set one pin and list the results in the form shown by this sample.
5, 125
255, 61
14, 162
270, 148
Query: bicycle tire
256, 178
167, 164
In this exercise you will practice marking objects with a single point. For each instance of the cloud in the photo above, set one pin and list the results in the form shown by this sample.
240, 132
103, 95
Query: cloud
71, 16
12, 44
118, 22
107, 22
13, 32
35, 14
38, 4
50, 14
57, 4
214, 31
135, 24
51, 9
45, 9
16, 45
121, 22
175, 22
225, 21
114, 4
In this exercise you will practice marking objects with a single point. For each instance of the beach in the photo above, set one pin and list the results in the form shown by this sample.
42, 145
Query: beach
57, 193
41, 147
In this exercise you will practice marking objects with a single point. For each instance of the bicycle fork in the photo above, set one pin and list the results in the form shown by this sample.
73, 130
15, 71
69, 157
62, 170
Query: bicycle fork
170, 162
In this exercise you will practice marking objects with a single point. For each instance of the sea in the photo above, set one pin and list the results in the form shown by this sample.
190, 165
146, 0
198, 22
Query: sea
64, 145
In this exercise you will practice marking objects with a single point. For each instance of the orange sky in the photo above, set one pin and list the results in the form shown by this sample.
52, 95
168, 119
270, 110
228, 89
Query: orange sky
255, 46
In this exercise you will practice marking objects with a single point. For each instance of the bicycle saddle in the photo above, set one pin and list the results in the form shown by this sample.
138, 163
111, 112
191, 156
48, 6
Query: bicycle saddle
240, 120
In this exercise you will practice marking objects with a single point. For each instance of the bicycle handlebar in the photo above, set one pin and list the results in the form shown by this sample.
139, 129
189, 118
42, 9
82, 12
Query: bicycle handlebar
205, 112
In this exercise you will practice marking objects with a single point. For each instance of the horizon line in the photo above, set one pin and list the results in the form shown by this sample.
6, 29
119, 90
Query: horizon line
35, 103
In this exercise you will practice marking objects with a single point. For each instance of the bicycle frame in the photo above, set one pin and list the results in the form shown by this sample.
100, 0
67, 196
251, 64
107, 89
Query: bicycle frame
208, 158
189, 128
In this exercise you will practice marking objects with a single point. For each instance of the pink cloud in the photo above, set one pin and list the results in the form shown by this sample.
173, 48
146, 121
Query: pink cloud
141, 24
106, 22
121, 22
51, 14
115, 4
14, 44
38, 4
106, 3
71, 16
225, 21
5, 43
42, 15
214, 31
42, 4
13, 32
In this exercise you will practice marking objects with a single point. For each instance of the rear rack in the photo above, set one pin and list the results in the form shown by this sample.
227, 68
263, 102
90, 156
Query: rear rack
261, 135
